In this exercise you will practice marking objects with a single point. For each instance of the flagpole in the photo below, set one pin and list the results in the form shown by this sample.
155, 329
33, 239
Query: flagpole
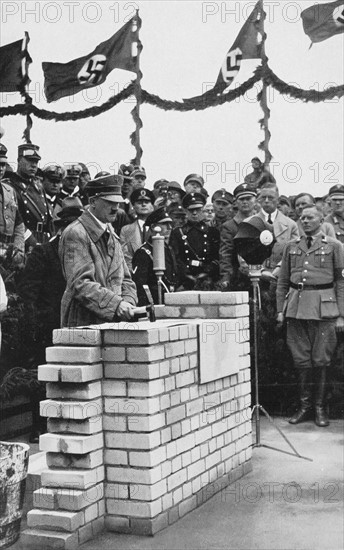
135, 136
262, 96
28, 99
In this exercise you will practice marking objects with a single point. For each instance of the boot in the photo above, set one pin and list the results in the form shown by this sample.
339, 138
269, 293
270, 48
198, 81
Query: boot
304, 411
321, 418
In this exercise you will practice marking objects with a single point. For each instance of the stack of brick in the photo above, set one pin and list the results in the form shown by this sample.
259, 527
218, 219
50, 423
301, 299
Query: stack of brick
170, 442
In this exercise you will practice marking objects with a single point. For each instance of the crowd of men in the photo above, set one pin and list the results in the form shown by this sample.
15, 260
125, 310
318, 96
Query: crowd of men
84, 250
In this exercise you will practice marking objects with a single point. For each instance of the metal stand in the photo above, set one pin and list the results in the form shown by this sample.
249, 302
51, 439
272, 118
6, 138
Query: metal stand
254, 273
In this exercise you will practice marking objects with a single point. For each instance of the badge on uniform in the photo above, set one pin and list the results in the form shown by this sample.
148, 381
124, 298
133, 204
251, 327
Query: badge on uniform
195, 263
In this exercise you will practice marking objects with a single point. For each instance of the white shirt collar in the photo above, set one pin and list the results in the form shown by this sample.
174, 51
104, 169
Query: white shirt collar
273, 215
103, 225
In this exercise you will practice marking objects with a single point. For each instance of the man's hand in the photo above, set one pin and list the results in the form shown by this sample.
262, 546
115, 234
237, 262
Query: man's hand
280, 319
125, 311
340, 324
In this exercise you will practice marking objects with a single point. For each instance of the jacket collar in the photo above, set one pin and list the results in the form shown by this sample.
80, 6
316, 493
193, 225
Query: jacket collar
92, 227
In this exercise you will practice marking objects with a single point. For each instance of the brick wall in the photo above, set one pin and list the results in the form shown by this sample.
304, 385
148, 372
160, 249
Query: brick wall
135, 440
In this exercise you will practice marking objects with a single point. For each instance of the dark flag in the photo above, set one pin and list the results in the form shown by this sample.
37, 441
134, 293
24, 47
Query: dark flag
322, 21
64, 79
14, 63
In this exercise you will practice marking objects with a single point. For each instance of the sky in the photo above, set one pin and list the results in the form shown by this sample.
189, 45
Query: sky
184, 45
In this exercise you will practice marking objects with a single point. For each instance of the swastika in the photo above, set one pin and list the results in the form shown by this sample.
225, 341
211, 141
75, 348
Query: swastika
92, 71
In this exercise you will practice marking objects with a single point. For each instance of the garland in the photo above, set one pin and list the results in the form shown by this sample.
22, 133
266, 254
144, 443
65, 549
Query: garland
210, 99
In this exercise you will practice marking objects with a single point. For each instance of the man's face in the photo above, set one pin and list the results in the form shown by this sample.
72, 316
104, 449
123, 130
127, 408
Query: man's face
311, 220
143, 208
300, 203
27, 167
71, 183
51, 187
193, 187
84, 179
208, 213
268, 198
284, 208
195, 214
139, 181
2, 169
246, 204
255, 164
338, 207
178, 219
127, 187
104, 210
222, 209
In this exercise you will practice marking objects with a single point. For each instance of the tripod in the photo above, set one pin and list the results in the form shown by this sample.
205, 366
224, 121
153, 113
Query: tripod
254, 274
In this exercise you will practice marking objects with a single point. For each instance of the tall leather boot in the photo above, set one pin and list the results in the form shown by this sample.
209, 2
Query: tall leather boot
321, 418
304, 411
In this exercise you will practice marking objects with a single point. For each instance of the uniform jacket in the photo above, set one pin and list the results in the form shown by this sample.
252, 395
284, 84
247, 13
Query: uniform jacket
285, 230
326, 228
229, 263
131, 239
96, 274
33, 206
322, 263
196, 247
11, 224
338, 226
143, 272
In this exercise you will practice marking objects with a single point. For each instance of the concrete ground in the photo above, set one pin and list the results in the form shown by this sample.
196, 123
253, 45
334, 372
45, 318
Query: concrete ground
284, 503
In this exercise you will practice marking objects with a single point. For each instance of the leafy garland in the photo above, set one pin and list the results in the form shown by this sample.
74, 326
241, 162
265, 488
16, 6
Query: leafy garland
209, 99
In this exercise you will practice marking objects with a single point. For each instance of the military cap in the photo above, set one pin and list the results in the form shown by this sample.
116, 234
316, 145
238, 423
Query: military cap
138, 171
176, 209
101, 175
244, 190
194, 177
204, 192
3, 152
54, 172
107, 187
126, 171
71, 208
336, 192
73, 170
222, 195
84, 169
142, 195
284, 200
160, 215
160, 183
175, 186
29, 151
194, 200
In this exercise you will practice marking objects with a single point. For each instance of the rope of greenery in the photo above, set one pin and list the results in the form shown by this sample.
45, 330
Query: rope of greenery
210, 99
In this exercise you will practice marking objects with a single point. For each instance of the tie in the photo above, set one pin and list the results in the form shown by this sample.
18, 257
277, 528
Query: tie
106, 235
269, 219
309, 242
143, 234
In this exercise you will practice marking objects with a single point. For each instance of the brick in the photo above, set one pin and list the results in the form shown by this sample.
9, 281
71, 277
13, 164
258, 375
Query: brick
195, 469
233, 312
145, 354
194, 407
146, 423
176, 430
115, 422
170, 383
201, 312
177, 495
174, 348
147, 459
146, 389
185, 443
212, 459
75, 336
88, 426
176, 479
77, 479
130, 371
148, 492
113, 354
90, 390
132, 440
134, 475
133, 406
116, 491
183, 298
183, 332
188, 505
165, 401
176, 414
98, 524
132, 508
115, 457
167, 312
218, 298
164, 368
117, 524
171, 449
89, 460
73, 444
43, 539
71, 499
67, 373
184, 363
114, 389
175, 397
73, 354
185, 378
173, 333
191, 346
176, 464
132, 337
59, 520
175, 365
85, 533
44, 498
91, 512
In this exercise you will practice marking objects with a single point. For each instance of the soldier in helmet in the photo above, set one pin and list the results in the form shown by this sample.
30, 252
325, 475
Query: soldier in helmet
11, 223
196, 246
222, 202
193, 183
33, 205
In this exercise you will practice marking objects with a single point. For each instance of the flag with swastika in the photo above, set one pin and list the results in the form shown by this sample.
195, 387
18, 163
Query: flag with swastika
65, 79
322, 21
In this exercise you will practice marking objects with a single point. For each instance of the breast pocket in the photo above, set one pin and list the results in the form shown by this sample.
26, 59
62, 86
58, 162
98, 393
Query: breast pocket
295, 258
323, 258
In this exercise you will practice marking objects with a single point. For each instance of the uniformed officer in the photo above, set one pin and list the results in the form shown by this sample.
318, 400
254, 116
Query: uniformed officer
139, 176
193, 183
11, 223
310, 295
196, 246
32, 201
143, 272
336, 218
177, 214
53, 175
222, 202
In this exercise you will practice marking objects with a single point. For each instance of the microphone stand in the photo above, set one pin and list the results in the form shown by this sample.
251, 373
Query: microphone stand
159, 267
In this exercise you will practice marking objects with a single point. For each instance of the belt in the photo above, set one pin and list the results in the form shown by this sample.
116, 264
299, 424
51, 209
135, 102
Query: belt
301, 286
